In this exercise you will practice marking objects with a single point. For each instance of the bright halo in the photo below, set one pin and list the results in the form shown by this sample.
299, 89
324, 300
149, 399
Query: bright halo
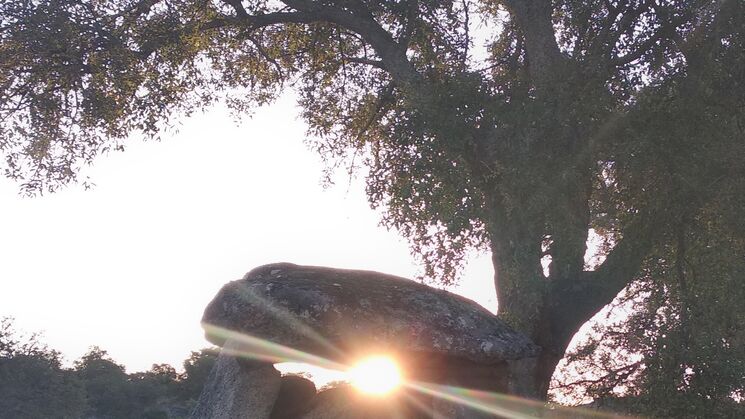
377, 375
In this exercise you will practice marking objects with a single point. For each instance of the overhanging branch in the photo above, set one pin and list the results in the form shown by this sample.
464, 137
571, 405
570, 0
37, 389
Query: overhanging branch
598, 288
362, 22
392, 57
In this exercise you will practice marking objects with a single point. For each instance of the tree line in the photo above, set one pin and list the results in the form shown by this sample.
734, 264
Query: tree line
35, 384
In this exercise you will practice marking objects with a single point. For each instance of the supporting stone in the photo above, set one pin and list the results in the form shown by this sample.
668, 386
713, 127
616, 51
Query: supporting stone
238, 389
296, 395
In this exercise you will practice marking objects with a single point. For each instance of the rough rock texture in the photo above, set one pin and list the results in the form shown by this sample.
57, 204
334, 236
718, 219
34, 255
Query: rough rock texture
339, 313
238, 389
296, 395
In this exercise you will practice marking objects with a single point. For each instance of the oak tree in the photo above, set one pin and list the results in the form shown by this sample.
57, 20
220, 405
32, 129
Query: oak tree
617, 118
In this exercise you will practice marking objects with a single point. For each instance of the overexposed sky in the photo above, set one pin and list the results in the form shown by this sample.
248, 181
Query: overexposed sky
130, 265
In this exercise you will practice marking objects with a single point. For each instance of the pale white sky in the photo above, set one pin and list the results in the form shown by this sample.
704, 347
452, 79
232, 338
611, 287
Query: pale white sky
130, 265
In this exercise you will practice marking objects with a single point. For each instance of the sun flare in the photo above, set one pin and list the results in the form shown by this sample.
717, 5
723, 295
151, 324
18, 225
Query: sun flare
376, 375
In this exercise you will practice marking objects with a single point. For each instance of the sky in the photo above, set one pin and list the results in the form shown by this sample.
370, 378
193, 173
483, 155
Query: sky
131, 264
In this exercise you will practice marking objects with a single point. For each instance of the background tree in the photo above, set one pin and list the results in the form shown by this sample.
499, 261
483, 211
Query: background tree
155, 390
107, 386
32, 383
681, 351
622, 117
196, 370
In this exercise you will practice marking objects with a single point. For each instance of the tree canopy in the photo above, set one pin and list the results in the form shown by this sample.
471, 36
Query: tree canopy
620, 118
35, 385
32, 383
672, 346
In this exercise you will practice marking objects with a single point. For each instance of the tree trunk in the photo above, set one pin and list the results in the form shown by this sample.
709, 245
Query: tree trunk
549, 310
533, 311
531, 377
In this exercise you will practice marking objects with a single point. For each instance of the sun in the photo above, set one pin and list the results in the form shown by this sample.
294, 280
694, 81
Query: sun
377, 375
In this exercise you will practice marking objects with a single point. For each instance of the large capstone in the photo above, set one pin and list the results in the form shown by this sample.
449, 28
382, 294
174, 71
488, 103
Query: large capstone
340, 314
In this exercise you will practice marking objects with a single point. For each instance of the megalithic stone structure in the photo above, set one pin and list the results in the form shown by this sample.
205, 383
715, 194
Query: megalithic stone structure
340, 316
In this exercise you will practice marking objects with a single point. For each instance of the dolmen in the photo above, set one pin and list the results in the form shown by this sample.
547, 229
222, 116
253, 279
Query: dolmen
333, 317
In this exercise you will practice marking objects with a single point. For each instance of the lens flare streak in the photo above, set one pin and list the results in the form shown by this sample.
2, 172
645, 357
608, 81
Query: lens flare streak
247, 346
504, 406
286, 317
479, 400
510, 407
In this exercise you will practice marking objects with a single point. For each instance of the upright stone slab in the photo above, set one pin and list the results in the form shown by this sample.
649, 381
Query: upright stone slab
238, 389
296, 397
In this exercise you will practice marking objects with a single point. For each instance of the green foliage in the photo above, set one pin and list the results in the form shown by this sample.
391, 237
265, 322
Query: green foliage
32, 383
196, 370
82, 76
695, 348
35, 385
680, 352
107, 385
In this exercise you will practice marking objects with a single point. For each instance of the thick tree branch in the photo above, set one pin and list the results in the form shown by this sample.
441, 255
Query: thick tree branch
580, 300
626, 24
666, 30
393, 60
544, 55
639, 51
367, 61
363, 23
410, 26
238, 7
625, 260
